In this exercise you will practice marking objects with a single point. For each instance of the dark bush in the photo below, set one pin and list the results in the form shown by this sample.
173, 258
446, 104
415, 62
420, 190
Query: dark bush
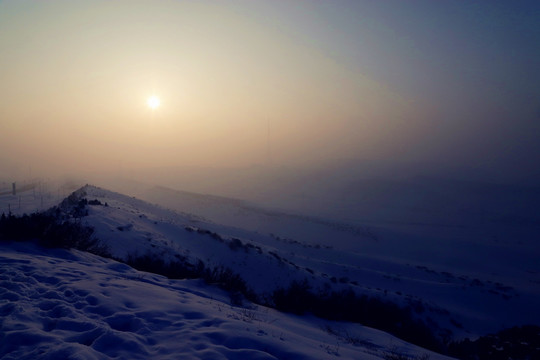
180, 268
297, 298
230, 281
236, 244
346, 305
49, 231
518, 343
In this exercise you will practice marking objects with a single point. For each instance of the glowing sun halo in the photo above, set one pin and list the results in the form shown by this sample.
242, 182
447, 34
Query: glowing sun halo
153, 102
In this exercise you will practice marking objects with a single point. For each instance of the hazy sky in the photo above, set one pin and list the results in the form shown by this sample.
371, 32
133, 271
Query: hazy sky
286, 82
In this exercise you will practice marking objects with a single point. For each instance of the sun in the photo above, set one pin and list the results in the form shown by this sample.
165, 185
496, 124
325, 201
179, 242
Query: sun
153, 102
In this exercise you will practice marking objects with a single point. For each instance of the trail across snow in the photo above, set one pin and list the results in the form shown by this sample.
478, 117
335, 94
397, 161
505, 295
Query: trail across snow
59, 304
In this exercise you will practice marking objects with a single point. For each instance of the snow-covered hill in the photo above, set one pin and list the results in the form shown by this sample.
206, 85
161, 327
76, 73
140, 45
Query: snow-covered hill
459, 284
463, 285
60, 304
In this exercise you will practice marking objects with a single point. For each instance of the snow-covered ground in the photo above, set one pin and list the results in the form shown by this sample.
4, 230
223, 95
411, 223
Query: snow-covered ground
60, 304
468, 284
463, 283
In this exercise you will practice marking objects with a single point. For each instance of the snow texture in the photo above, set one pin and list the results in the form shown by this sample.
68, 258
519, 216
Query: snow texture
59, 304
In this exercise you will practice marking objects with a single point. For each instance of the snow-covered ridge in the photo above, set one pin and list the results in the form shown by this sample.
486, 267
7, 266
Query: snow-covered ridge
460, 302
290, 275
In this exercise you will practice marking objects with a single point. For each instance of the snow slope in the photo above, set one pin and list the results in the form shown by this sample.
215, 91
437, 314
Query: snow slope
461, 282
59, 304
